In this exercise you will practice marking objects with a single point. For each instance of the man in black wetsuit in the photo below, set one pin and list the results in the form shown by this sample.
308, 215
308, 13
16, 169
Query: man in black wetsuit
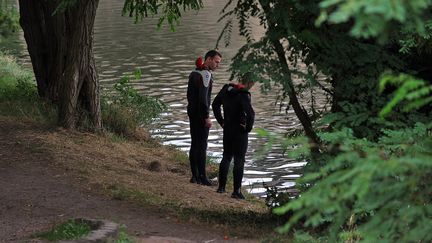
237, 121
198, 95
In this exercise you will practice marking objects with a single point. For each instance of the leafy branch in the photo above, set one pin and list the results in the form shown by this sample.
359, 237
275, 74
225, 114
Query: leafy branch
416, 92
167, 10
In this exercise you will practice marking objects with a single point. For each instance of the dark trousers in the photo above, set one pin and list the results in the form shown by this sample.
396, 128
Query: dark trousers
235, 144
198, 150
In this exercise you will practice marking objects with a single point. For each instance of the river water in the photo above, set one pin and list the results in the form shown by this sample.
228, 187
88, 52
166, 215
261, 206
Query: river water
166, 58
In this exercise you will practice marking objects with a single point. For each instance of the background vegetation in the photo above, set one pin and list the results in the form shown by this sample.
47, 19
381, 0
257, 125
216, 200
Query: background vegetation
124, 110
369, 154
18, 94
9, 18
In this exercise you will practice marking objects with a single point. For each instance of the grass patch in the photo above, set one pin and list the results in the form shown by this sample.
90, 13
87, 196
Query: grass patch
212, 167
116, 138
242, 223
18, 94
70, 230
281, 238
119, 192
179, 156
239, 223
123, 237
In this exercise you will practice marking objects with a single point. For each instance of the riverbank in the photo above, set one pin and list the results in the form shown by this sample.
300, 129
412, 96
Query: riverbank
50, 174
139, 175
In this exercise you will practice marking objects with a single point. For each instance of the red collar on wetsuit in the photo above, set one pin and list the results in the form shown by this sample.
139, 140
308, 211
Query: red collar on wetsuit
199, 63
239, 86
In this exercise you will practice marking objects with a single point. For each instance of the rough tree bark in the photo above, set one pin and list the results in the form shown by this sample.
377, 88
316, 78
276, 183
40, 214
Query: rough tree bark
61, 50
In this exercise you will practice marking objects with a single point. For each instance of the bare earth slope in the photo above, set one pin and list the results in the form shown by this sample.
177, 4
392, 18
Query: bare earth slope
48, 176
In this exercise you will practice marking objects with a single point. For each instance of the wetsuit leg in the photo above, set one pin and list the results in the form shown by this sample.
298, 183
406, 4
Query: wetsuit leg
240, 148
226, 159
199, 151
193, 148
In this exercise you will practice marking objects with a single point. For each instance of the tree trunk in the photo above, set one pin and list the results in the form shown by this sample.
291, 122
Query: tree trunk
43, 34
301, 113
61, 51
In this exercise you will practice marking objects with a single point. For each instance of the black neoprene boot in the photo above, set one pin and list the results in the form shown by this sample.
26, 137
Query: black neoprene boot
204, 181
222, 182
194, 179
221, 189
237, 194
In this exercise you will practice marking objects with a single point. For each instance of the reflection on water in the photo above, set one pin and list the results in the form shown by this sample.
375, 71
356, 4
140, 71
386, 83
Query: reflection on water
166, 59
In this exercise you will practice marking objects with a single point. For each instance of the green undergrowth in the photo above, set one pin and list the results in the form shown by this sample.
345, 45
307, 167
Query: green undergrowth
75, 229
123, 236
364, 191
18, 94
70, 230
179, 156
123, 111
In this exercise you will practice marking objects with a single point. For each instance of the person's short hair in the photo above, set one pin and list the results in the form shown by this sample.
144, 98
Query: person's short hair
246, 78
212, 53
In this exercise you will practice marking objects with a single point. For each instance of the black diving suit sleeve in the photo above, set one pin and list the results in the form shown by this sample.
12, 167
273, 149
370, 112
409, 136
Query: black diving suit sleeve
249, 111
216, 105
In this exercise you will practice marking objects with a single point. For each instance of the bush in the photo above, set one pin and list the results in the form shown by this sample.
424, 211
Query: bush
275, 198
126, 110
369, 191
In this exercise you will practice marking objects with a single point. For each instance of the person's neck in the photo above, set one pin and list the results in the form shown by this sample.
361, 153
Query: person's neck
247, 86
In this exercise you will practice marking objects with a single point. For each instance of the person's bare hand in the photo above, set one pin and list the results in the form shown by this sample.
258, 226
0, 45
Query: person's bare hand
208, 123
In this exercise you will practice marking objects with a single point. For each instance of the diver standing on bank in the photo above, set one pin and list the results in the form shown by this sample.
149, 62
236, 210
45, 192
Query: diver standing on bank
199, 97
237, 121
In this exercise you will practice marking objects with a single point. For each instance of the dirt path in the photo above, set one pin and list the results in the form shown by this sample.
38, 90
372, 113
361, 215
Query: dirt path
35, 194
